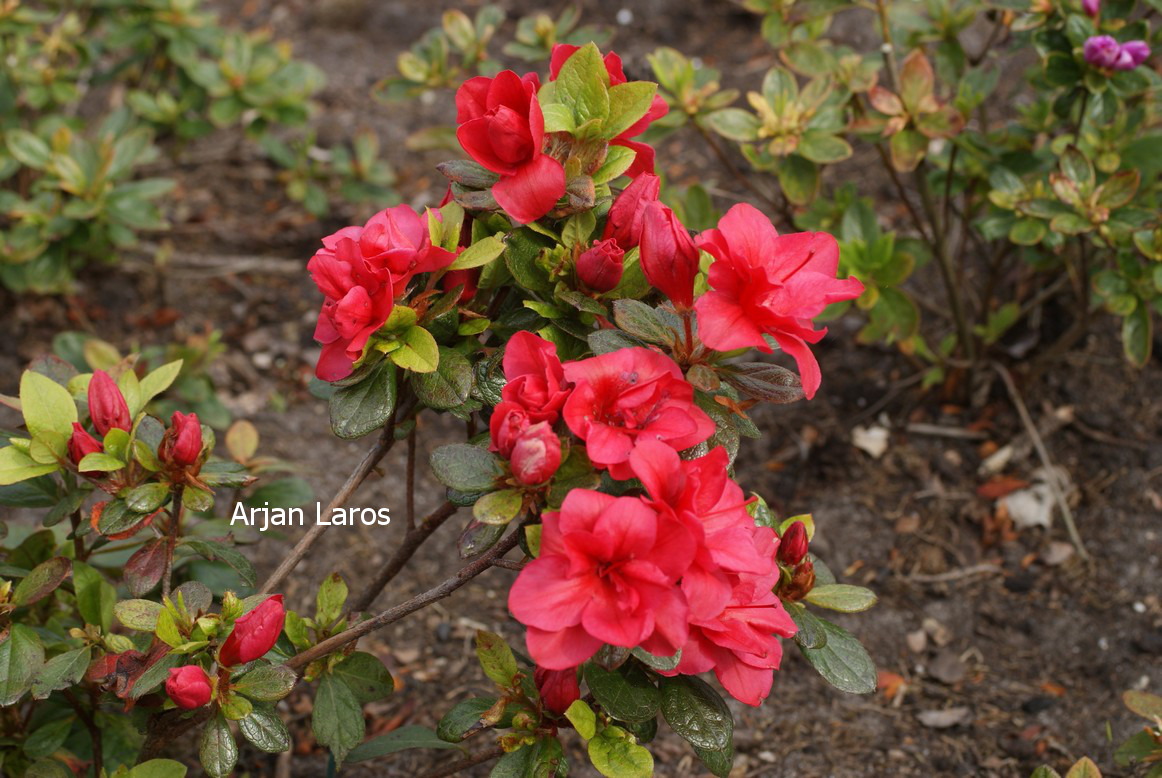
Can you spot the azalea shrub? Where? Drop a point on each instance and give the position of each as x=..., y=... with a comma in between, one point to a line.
x=94, y=93
x=606, y=362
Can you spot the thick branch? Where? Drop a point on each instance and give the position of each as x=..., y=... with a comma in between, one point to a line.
x=414, y=538
x=392, y=615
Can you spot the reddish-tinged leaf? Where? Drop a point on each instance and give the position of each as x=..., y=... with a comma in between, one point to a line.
x=42, y=581
x=102, y=667
x=145, y=568
x=917, y=80
x=884, y=101
x=1000, y=486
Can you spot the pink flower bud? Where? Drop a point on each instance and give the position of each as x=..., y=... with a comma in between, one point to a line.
x=558, y=688
x=182, y=444
x=793, y=545
x=188, y=686
x=600, y=267
x=107, y=406
x=509, y=421
x=81, y=444
x=1091, y=7
x=254, y=634
x=669, y=258
x=624, y=224
x=536, y=454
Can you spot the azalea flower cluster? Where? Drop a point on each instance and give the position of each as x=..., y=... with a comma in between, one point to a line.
x=1103, y=51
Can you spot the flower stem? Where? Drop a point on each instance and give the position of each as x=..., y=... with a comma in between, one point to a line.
x=171, y=542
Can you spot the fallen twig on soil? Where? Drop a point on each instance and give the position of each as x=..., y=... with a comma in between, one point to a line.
x=954, y=575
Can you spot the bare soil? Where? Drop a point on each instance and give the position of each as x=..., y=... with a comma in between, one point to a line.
x=1036, y=652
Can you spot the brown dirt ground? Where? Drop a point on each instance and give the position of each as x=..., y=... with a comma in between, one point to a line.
x=1038, y=655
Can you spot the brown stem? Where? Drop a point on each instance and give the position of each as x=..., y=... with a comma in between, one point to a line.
x=372, y=458
x=414, y=538
x=91, y=725
x=782, y=207
x=78, y=541
x=495, y=752
x=171, y=540
x=411, y=481
x=392, y=615
x=166, y=727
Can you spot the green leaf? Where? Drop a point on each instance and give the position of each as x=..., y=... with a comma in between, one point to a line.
x=717, y=761
x=365, y=676
x=465, y=718
x=666, y=663
x=147, y=498
x=907, y=149
x=628, y=103
x=48, y=737
x=498, y=507
x=96, y=597
x=1119, y=189
x=397, y=740
x=21, y=658
x=140, y=615
x=1084, y=768
x=764, y=381
x=337, y=719
x=583, y=719
x=696, y=712
x=48, y=768
x=16, y=466
x=47, y=406
x=61, y=672
x=267, y=683
x=41, y=581
x=157, y=381
x=28, y=149
x=558, y=118
x=1027, y=232
x=823, y=147
x=626, y=694
x=265, y=730
x=1078, y=169
x=1135, y=750
x=734, y=124
x=842, y=597
x=496, y=658
x=583, y=84
x=799, y=179
x=479, y=253
x=418, y=351
x=842, y=661
x=1070, y=224
x=615, y=755
x=330, y=599
x=101, y=463
x=1146, y=705
x=449, y=385
x=642, y=321
x=617, y=160
x=366, y=406
x=158, y=768
x=284, y=493
x=236, y=707
x=1138, y=335
x=218, y=752
x=465, y=468
x=217, y=551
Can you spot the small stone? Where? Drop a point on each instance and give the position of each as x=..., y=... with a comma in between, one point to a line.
x=917, y=641
x=1058, y=552
x=937, y=631
x=947, y=667
x=1149, y=643
x=1038, y=704
x=944, y=719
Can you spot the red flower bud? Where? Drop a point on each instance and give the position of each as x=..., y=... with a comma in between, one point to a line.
x=600, y=267
x=182, y=444
x=801, y=583
x=254, y=634
x=107, y=406
x=81, y=443
x=508, y=423
x=188, y=686
x=624, y=224
x=793, y=544
x=669, y=258
x=536, y=454
x=453, y=279
x=558, y=688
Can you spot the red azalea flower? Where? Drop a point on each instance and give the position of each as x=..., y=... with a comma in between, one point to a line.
x=509, y=421
x=536, y=455
x=503, y=129
x=107, y=406
x=182, y=444
x=188, y=686
x=535, y=379
x=644, y=161
x=669, y=258
x=627, y=215
x=558, y=688
x=360, y=270
x=454, y=278
x=80, y=445
x=606, y=574
x=627, y=395
x=254, y=634
x=793, y=544
x=600, y=267
x=763, y=282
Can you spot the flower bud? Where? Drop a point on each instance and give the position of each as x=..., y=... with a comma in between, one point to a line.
x=1091, y=7
x=600, y=267
x=624, y=224
x=454, y=278
x=188, y=686
x=107, y=406
x=536, y=454
x=793, y=544
x=182, y=444
x=801, y=583
x=81, y=444
x=558, y=688
x=508, y=423
x=669, y=258
x=254, y=634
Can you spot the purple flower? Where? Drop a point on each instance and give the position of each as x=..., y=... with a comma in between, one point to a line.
x=1091, y=7
x=1104, y=52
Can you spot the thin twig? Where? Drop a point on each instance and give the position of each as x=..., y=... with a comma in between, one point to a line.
x=411, y=542
x=91, y=726
x=1046, y=462
x=742, y=177
x=171, y=540
x=471, y=760
x=954, y=575
x=411, y=480
x=392, y=615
